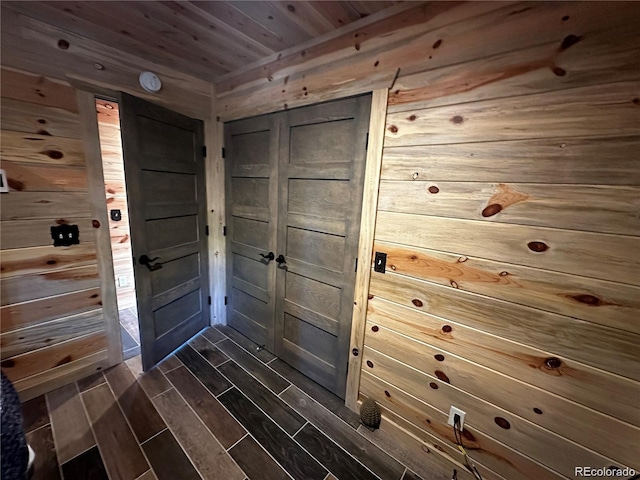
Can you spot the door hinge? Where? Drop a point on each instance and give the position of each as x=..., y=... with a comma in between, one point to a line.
x=224, y=153
x=206, y=230
x=356, y=265
x=366, y=143
x=204, y=151
x=224, y=231
x=226, y=300
x=209, y=299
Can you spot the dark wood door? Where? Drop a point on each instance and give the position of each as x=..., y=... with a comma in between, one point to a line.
x=252, y=184
x=321, y=168
x=165, y=179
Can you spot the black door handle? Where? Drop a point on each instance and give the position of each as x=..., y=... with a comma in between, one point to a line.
x=269, y=256
x=281, y=259
x=148, y=262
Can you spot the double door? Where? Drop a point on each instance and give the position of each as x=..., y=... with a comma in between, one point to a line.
x=294, y=193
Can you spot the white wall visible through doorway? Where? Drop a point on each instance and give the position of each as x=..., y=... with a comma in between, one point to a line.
x=119, y=229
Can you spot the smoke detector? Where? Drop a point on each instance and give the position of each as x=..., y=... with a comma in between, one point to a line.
x=150, y=82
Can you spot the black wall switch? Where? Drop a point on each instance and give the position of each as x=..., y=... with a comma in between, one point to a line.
x=65, y=235
x=116, y=215
x=380, y=262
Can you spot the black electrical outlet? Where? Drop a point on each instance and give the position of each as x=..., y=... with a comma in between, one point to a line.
x=116, y=215
x=65, y=235
x=380, y=262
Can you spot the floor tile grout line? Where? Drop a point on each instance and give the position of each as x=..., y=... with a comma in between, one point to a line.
x=91, y=388
x=135, y=437
x=237, y=442
x=287, y=388
x=138, y=478
x=404, y=473
x=206, y=427
x=254, y=438
x=86, y=413
x=40, y=427
x=335, y=441
x=298, y=431
x=279, y=426
x=253, y=376
x=155, y=434
x=232, y=416
x=158, y=394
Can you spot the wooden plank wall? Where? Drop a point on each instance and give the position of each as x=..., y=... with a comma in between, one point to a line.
x=59, y=63
x=508, y=208
x=52, y=316
x=116, y=192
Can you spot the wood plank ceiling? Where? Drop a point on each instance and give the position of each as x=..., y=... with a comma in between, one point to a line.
x=206, y=39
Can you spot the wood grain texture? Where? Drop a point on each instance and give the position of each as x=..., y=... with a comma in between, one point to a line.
x=24, y=340
x=567, y=251
x=320, y=394
x=571, y=380
x=32, y=45
x=595, y=208
x=168, y=459
x=42, y=178
x=602, y=302
x=524, y=436
x=424, y=458
x=558, y=334
x=202, y=369
x=368, y=454
x=214, y=356
x=249, y=346
x=365, y=245
x=43, y=359
x=37, y=233
x=202, y=448
x=569, y=160
x=287, y=453
x=122, y=455
x=255, y=462
x=266, y=400
x=336, y=460
x=509, y=393
x=134, y=402
x=548, y=115
x=24, y=261
x=253, y=366
x=95, y=180
x=223, y=426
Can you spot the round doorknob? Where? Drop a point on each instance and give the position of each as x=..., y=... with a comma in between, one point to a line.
x=281, y=259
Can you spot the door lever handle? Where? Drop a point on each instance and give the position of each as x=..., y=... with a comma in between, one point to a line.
x=148, y=262
x=281, y=259
x=269, y=256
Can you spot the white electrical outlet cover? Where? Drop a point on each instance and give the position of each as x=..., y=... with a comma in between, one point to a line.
x=452, y=413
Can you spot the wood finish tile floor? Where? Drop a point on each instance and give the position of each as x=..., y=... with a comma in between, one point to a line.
x=129, y=332
x=217, y=409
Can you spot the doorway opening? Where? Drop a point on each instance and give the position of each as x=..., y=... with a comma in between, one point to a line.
x=119, y=227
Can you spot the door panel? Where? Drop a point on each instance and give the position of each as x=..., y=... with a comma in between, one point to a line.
x=294, y=187
x=251, y=183
x=164, y=171
x=321, y=168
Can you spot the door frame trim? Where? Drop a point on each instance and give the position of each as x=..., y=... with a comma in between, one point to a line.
x=95, y=183
x=373, y=165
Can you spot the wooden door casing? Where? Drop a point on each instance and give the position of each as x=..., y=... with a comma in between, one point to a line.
x=294, y=188
x=164, y=170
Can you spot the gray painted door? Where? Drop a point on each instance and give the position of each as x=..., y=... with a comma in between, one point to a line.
x=164, y=170
x=294, y=188
x=252, y=184
x=321, y=170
